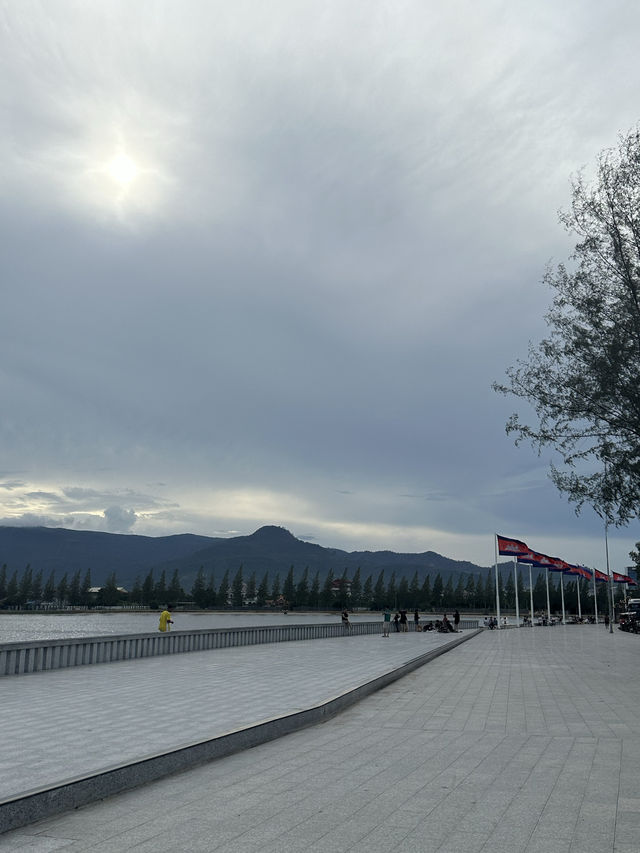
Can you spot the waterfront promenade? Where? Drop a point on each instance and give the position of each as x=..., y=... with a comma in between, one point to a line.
x=519, y=740
x=84, y=732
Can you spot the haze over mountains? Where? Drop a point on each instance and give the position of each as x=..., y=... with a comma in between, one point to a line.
x=270, y=549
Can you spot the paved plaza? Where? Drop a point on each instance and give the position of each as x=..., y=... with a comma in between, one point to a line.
x=519, y=740
x=66, y=723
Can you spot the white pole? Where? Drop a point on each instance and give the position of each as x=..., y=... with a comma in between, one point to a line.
x=595, y=595
x=531, y=595
x=497, y=586
x=578, y=591
x=548, y=600
x=515, y=582
x=564, y=621
x=606, y=546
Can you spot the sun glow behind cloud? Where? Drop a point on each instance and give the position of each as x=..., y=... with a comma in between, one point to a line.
x=116, y=163
x=122, y=179
x=123, y=170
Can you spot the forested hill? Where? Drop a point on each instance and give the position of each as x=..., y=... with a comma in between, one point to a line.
x=270, y=549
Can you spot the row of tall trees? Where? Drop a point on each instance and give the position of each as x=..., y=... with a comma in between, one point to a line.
x=32, y=588
x=385, y=589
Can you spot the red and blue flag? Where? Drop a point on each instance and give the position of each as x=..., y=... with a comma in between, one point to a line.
x=511, y=547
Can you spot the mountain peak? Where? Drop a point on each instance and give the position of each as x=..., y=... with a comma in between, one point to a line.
x=272, y=533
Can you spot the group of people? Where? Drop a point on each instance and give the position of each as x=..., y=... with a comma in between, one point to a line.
x=401, y=624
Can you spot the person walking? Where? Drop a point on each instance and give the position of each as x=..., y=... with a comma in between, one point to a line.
x=386, y=622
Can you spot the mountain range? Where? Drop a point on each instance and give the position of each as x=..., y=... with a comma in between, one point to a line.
x=270, y=549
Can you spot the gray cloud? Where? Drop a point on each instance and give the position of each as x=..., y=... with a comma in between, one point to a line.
x=119, y=520
x=333, y=245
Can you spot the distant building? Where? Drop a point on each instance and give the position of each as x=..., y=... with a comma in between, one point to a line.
x=94, y=590
x=339, y=587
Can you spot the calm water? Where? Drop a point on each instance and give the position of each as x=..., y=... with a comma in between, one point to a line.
x=21, y=627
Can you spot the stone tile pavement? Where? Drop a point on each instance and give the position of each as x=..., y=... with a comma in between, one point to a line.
x=520, y=741
x=65, y=723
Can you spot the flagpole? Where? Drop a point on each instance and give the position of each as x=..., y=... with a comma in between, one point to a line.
x=548, y=600
x=606, y=548
x=497, y=586
x=530, y=595
x=564, y=621
x=578, y=591
x=595, y=595
x=515, y=583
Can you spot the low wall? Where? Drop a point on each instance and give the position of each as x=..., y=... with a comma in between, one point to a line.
x=44, y=802
x=43, y=655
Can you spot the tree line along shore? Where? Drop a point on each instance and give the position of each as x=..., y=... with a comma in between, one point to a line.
x=29, y=589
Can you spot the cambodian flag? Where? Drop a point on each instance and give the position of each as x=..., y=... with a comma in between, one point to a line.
x=600, y=576
x=578, y=570
x=511, y=547
x=535, y=558
x=555, y=564
x=618, y=578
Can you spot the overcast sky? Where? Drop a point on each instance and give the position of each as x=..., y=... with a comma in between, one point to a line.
x=262, y=261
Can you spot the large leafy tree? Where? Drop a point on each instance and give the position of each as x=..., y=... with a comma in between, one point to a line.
x=583, y=379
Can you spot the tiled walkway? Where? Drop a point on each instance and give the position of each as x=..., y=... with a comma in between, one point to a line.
x=520, y=741
x=65, y=723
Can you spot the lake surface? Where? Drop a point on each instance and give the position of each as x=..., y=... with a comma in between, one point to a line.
x=23, y=627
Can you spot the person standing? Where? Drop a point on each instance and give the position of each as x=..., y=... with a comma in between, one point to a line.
x=456, y=620
x=403, y=621
x=396, y=621
x=386, y=622
x=165, y=619
x=345, y=622
x=416, y=619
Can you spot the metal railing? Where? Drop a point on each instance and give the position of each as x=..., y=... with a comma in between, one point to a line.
x=44, y=655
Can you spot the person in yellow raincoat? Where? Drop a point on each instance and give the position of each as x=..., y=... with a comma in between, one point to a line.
x=165, y=619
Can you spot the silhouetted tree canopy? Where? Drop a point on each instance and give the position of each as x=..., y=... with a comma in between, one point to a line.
x=583, y=380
